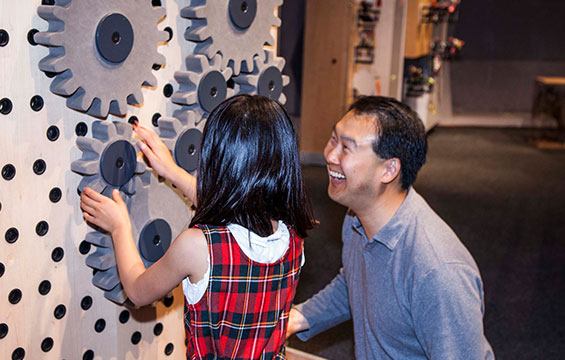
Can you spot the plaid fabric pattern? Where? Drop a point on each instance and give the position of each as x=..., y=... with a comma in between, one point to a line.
x=244, y=312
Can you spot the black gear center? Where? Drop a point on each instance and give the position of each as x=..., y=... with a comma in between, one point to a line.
x=270, y=83
x=187, y=149
x=114, y=38
x=242, y=12
x=155, y=239
x=118, y=162
x=212, y=90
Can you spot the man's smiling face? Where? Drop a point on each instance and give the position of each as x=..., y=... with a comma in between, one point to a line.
x=352, y=164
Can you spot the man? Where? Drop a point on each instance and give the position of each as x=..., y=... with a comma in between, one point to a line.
x=411, y=287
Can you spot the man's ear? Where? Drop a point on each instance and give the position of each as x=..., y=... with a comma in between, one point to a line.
x=392, y=170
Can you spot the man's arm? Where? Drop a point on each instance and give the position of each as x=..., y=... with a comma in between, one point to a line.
x=324, y=310
x=447, y=311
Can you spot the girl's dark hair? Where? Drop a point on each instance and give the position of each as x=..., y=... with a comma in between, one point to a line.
x=249, y=168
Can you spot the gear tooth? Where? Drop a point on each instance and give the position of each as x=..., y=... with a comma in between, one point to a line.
x=128, y=188
x=118, y=107
x=195, y=12
x=184, y=98
x=150, y=81
x=262, y=58
x=247, y=66
x=197, y=31
x=277, y=21
x=53, y=13
x=194, y=63
x=168, y=127
x=185, y=117
x=230, y=93
x=99, y=108
x=123, y=129
x=98, y=239
x=227, y=73
x=92, y=181
x=280, y=63
x=64, y=84
x=135, y=98
x=89, y=167
x=103, y=130
x=106, y=280
x=285, y=80
x=101, y=259
x=282, y=99
x=160, y=58
x=80, y=100
x=116, y=295
x=89, y=146
x=55, y=64
x=236, y=67
x=159, y=12
x=140, y=167
x=49, y=38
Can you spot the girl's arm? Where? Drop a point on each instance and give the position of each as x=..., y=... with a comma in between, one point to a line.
x=162, y=162
x=187, y=255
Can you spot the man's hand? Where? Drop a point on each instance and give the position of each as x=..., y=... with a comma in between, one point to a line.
x=109, y=214
x=296, y=322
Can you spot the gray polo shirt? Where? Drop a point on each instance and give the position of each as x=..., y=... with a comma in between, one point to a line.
x=413, y=290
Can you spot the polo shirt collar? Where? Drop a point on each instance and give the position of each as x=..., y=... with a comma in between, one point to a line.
x=392, y=232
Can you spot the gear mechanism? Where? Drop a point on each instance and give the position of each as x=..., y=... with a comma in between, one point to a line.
x=266, y=79
x=102, y=52
x=152, y=203
x=237, y=29
x=183, y=138
x=203, y=86
x=109, y=158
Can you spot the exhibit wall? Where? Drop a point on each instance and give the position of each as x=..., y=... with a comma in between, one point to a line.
x=74, y=75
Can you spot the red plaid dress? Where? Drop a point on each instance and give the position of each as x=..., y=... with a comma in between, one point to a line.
x=244, y=312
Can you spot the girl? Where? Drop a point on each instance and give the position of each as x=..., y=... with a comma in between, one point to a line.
x=240, y=259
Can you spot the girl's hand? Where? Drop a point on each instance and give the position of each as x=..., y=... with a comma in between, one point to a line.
x=156, y=152
x=108, y=214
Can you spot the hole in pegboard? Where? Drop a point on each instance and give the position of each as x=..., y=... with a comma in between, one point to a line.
x=100, y=325
x=3, y=330
x=136, y=338
x=39, y=166
x=158, y=329
x=169, y=349
x=155, y=119
x=44, y=287
x=8, y=172
x=88, y=355
x=81, y=129
x=156, y=67
x=57, y=254
x=12, y=235
x=55, y=195
x=60, y=311
x=42, y=228
x=36, y=103
x=124, y=316
x=168, y=90
x=84, y=247
x=30, y=37
x=53, y=133
x=15, y=296
x=47, y=2
x=133, y=120
x=6, y=106
x=47, y=344
x=2, y=269
x=4, y=38
x=18, y=354
x=170, y=31
x=86, y=302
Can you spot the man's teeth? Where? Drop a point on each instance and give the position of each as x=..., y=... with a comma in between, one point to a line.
x=336, y=175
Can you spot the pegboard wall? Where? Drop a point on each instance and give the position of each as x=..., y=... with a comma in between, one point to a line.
x=73, y=74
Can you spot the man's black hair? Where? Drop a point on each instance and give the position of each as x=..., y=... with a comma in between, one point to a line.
x=400, y=133
x=249, y=168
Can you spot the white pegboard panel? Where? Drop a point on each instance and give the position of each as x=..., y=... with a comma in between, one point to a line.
x=49, y=308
